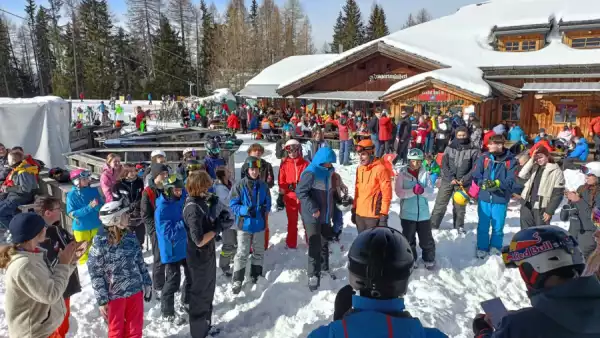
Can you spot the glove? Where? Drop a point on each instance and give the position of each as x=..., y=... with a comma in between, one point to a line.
x=147, y=293
x=353, y=218
x=280, y=204
x=480, y=325
x=213, y=199
x=383, y=220
x=418, y=189
x=291, y=187
x=490, y=185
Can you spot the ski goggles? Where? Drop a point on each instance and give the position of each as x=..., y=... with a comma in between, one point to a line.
x=254, y=164
x=292, y=148
x=360, y=149
x=587, y=171
x=194, y=167
x=84, y=174
x=171, y=179
x=215, y=150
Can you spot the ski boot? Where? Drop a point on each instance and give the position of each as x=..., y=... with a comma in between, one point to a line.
x=255, y=272
x=430, y=265
x=495, y=252
x=227, y=272
x=461, y=230
x=238, y=279
x=313, y=283
x=481, y=254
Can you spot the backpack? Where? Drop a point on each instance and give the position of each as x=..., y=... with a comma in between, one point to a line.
x=151, y=196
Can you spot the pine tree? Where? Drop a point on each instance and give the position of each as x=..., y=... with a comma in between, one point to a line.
x=234, y=63
x=30, y=11
x=338, y=31
x=9, y=71
x=255, y=45
x=377, y=27
x=180, y=11
x=271, y=33
x=172, y=73
x=43, y=49
x=127, y=67
x=292, y=15
x=207, y=51
x=353, y=33
x=304, y=43
x=423, y=16
x=410, y=21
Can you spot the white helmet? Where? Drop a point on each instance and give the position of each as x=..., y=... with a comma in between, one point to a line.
x=291, y=142
x=188, y=150
x=158, y=153
x=592, y=168
x=110, y=213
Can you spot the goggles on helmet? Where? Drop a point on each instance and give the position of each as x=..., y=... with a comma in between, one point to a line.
x=254, y=164
x=194, y=167
x=587, y=171
x=291, y=148
x=84, y=174
x=171, y=179
x=360, y=149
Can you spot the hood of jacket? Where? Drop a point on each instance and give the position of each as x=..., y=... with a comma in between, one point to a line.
x=574, y=305
x=323, y=155
x=582, y=141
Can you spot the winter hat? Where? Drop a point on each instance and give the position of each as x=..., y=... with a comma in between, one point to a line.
x=25, y=226
x=543, y=151
x=158, y=168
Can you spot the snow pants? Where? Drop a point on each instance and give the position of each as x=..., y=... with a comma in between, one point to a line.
x=172, y=285
x=63, y=329
x=531, y=217
x=88, y=236
x=493, y=214
x=410, y=230
x=292, y=208
x=229, y=237
x=158, y=268
x=441, y=204
x=318, y=248
x=375, y=139
x=345, y=149
x=338, y=221
x=126, y=317
x=245, y=241
x=203, y=269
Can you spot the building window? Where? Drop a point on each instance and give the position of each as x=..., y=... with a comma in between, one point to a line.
x=511, y=46
x=565, y=113
x=528, y=45
x=589, y=42
x=511, y=112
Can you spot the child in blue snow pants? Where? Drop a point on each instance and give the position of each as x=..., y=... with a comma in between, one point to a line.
x=493, y=214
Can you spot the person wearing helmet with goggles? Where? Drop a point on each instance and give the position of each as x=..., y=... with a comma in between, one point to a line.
x=118, y=274
x=83, y=206
x=380, y=265
x=129, y=189
x=280, y=153
x=584, y=209
x=413, y=187
x=290, y=170
x=494, y=174
x=157, y=156
x=372, y=191
x=188, y=154
x=213, y=158
x=564, y=303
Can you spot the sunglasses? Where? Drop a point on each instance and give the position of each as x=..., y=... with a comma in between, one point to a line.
x=360, y=149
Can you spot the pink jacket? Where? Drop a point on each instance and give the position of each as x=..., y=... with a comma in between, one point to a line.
x=108, y=179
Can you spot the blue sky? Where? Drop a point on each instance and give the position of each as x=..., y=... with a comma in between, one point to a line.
x=322, y=13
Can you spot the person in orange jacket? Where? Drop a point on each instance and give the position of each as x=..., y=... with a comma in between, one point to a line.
x=290, y=170
x=373, y=189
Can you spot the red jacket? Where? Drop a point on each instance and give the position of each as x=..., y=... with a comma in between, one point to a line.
x=385, y=128
x=595, y=125
x=421, y=135
x=138, y=119
x=345, y=129
x=233, y=122
x=289, y=173
x=486, y=139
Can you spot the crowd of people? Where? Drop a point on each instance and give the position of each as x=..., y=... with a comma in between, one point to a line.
x=185, y=210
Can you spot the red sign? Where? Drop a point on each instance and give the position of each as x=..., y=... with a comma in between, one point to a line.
x=433, y=95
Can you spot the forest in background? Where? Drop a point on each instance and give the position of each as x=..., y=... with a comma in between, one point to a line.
x=164, y=46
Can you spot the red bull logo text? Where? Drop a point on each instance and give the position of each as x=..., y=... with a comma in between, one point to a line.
x=530, y=251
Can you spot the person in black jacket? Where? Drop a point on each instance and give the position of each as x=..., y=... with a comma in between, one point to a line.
x=57, y=239
x=457, y=163
x=373, y=128
x=203, y=220
x=131, y=187
x=403, y=130
x=147, y=206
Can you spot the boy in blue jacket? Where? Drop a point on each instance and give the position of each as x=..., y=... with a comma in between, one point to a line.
x=83, y=206
x=172, y=243
x=213, y=159
x=380, y=267
x=315, y=192
x=495, y=174
x=250, y=201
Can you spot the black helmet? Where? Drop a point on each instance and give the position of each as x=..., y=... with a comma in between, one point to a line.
x=253, y=162
x=541, y=252
x=213, y=147
x=380, y=263
x=193, y=165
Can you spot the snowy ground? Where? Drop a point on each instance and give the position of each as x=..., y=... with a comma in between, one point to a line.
x=281, y=305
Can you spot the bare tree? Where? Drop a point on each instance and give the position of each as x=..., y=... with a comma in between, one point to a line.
x=181, y=12
x=410, y=21
x=423, y=16
x=292, y=15
x=304, y=43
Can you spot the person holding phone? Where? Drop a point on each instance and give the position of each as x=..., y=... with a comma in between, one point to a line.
x=33, y=302
x=564, y=302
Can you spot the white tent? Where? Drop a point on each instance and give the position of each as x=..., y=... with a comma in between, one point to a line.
x=40, y=125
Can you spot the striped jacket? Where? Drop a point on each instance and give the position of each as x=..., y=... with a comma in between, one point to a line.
x=117, y=271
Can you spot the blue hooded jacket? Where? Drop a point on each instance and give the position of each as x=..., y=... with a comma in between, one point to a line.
x=568, y=310
x=212, y=163
x=250, y=201
x=253, y=125
x=516, y=134
x=170, y=229
x=581, y=151
x=370, y=319
x=78, y=208
x=315, y=189
x=502, y=168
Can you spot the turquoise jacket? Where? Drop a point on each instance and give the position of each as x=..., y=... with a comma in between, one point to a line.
x=78, y=208
x=414, y=207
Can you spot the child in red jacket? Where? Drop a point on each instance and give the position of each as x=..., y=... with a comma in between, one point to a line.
x=421, y=135
x=233, y=123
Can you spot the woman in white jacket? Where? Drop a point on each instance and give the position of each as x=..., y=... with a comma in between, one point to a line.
x=34, y=303
x=222, y=187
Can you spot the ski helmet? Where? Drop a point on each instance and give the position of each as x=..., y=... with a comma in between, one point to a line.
x=110, y=213
x=380, y=263
x=460, y=197
x=77, y=174
x=365, y=145
x=174, y=181
x=158, y=153
x=213, y=148
x=415, y=154
x=191, y=151
x=592, y=168
x=253, y=162
x=541, y=252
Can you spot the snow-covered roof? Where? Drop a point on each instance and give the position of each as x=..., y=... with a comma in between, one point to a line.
x=462, y=39
x=36, y=100
x=469, y=79
x=289, y=68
